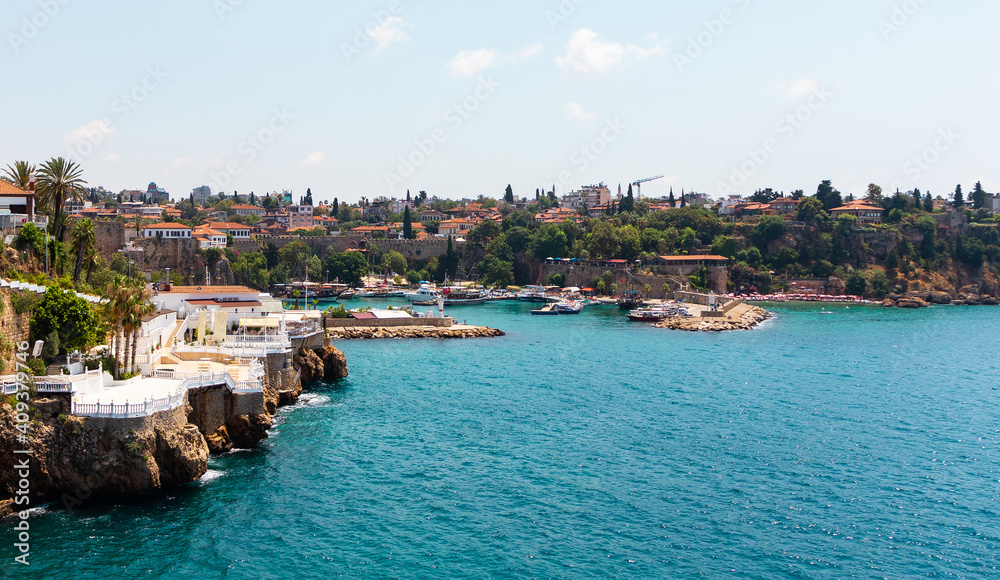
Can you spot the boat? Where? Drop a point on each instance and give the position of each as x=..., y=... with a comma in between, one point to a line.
x=569, y=307
x=423, y=294
x=657, y=313
x=363, y=293
x=459, y=296
x=629, y=300
x=532, y=294
x=346, y=294
x=547, y=310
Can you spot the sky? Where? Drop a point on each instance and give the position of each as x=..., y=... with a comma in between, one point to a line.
x=372, y=98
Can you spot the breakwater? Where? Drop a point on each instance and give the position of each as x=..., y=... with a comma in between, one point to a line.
x=740, y=317
x=374, y=332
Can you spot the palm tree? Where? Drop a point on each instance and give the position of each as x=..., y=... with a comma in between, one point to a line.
x=58, y=180
x=91, y=260
x=116, y=293
x=19, y=174
x=82, y=239
x=139, y=306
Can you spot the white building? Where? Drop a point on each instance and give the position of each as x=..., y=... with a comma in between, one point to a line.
x=201, y=194
x=238, y=231
x=300, y=216
x=171, y=231
x=589, y=195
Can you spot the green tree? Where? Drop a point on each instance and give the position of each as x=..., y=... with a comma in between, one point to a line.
x=629, y=242
x=394, y=262
x=19, y=174
x=810, y=209
x=59, y=180
x=407, y=224
x=83, y=239
x=874, y=195
x=829, y=196
x=508, y=195
x=724, y=246
x=959, y=198
x=856, y=284
x=30, y=239
x=550, y=242
x=68, y=316
x=603, y=241
x=348, y=267
x=978, y=196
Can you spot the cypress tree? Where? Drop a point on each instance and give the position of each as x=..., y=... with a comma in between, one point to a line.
x=407, y=224
x=671, y=199
x=959, y=198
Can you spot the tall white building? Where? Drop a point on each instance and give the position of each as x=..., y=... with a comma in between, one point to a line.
x=589, y=195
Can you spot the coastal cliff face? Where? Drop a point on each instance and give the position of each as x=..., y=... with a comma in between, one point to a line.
x=75, y=458
x=328, y=364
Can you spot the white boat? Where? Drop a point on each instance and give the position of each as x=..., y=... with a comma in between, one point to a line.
x=362, y=293
x=532, y=294
x=424, y=293
x=569, y=307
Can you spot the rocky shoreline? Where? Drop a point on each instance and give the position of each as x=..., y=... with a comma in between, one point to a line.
x=76, y=458
x=967, y=296
x=743, y=317
x=372, y=333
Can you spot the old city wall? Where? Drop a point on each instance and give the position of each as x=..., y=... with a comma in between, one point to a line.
x=110, y=237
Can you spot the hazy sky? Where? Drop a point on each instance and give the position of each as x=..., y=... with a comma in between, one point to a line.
x=460, y=99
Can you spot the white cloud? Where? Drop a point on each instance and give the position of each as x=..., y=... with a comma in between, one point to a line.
x=799, y=89
x=389, y=32
x=587, y=54
x=94, y=133
x=526, y=52
x=576, y=112
x=469, y=63
x=313, y=159
x=111, y=158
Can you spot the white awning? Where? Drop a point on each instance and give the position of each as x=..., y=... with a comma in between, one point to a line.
x=260, y=322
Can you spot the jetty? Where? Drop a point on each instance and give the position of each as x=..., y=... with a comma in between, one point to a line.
x=714, y=313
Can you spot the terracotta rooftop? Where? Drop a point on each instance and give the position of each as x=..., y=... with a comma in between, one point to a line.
x=211, y=290
x=11, y=189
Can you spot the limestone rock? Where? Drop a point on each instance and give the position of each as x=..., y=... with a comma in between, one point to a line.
x=888, y=303
x=246, y=431
x=311, y=365
x=912, y=303
x=940, y=298
x=334, y=363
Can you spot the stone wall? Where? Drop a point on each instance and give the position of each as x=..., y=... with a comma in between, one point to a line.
x=14, y=328
x=110, y=237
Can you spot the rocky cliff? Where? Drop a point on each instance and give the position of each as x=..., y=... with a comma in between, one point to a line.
x=75, y=458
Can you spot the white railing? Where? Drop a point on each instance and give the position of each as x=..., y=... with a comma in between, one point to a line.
x=128, y=410
x=9, y=384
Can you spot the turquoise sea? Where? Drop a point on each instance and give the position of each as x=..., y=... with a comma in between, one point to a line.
x=832, y=442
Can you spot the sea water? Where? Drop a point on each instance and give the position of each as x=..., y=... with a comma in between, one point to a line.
x=831, y=442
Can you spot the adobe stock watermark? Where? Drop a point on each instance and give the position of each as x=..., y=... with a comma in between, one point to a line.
x=252, y=146
x=383, y=28
x=901, y=15
x=32, y=25
x=585, y=156
x=21, y=473
x=454, y=118
x=562, y=12
x=787, y=127
x=711, y=31
x=93, y=135
x=916, y=166
x=223, y=8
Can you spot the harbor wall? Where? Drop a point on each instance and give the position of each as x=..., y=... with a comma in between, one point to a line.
x=446, y=322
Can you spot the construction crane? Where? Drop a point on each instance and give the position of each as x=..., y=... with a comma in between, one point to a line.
x=638, y=184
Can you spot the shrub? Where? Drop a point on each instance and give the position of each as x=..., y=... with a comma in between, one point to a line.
x=24, y=302
x=339, y=312
x=37, y=366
